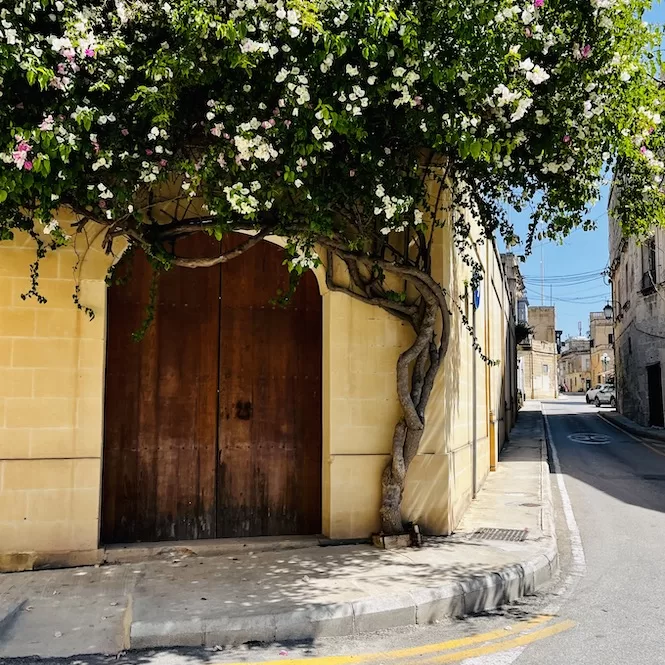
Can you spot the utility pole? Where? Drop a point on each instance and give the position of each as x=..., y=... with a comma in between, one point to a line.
x=542, y=274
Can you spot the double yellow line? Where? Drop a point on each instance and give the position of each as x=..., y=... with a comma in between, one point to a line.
x=451, y=651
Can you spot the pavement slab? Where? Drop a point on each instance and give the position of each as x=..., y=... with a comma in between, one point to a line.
x=246, y=595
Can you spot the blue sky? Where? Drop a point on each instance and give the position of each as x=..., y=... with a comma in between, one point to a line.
x=568, y=266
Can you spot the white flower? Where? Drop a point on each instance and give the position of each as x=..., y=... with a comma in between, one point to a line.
x=351, y=71
x=526, y=65
x=371, y=80
x=537, y=75
x=281, y=13
x=292, y=16
x=527, y=16
x=522, y=107
x=317, y=133
x=51, y=226
x=625, y=76
x=399, y=72
x=298, y=183
x=59, y=6
x=281, y=75
x=293, y=31
x=328, y=145
x=417, y=216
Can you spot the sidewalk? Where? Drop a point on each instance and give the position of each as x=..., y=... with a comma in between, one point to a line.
x=627, y=425
x=305, y=593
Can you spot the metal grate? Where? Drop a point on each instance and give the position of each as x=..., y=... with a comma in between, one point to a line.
x=515, y=535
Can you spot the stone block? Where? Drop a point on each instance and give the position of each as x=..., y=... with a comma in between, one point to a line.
x=87, y=473
x=56, y=442
x=17, y=322
x=45, y=412
x=316, y=622
x=13, y=506
x=438, y=603
x=15, y=382
x=185, y=632
x=14, y=443
x=36, y=474
x=230, y=631
x=384, y=612
x=39, y=352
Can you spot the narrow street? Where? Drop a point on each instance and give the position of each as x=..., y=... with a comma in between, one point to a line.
x=605, y=608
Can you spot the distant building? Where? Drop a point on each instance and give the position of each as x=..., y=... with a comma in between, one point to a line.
x=602, y=348
x=537, y=355
x=575, y=363
x=637, y=272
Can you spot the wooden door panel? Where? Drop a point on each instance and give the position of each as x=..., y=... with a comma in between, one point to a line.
x=269, y=480
x=161, y=404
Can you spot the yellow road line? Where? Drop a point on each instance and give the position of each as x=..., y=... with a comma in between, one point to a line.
x=411, y=651
x=632, y=436
x=506, y=645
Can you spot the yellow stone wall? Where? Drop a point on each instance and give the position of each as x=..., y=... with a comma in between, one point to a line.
x=51, y=384
x=51, y=405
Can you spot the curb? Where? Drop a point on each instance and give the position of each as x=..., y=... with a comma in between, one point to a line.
x=635, y=430
x=421, y=606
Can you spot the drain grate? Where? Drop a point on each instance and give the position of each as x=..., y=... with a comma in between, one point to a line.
x=515, y=535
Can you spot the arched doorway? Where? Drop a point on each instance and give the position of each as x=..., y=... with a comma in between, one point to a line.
x=213, y=420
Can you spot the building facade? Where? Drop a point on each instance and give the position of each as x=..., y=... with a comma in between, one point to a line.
x=232, y=417
x=601, y=331
x=637, y=273
x=575, y=363
x=537, y=355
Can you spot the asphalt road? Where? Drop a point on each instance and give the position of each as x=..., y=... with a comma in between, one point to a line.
x=607, y=607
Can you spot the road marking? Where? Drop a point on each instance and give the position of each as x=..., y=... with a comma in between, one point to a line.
x=632, y=436
x=578, y=559
x=521, y=641
x=590, y=438
x=449, y=645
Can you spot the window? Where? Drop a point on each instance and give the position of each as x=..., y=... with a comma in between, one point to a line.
x=649, y=277
x=610, y=338
x=546, y=369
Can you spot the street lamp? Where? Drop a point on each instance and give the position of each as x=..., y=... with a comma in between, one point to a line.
x=608, y=310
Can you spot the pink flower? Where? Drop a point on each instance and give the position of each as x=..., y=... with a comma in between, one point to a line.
x=148, y=152
x=538, y=3
x=566, y=139
x=226, y=136
x=287, y=123
x=27, y=166
x=102, y=203
x=124, y=131
x=528, y=33
x=216, y=131
x=163, y=162
x=585, y=51
x=418, y=100
x=68, y=53
x=23, y=147
x=89, y=53
x=266, y=125
x=643, y=150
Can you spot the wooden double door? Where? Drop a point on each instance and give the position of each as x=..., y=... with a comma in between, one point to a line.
x=213, y=420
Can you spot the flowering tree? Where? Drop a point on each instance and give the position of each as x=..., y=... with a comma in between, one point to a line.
x=324, y=121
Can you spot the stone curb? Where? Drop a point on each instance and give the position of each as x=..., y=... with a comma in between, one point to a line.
x=636, y=430
x=421, y=606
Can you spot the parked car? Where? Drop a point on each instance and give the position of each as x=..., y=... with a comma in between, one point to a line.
x=606, y=395
x=592, y=392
